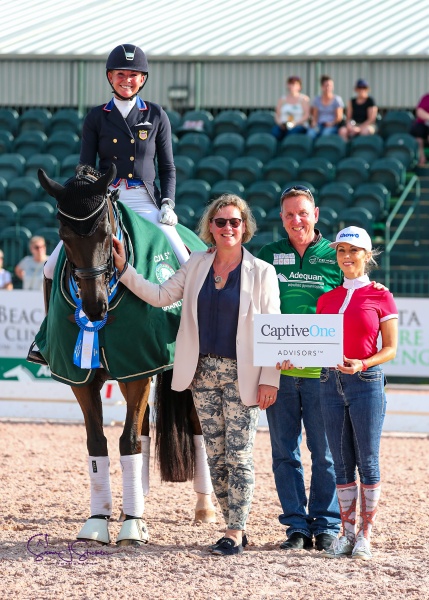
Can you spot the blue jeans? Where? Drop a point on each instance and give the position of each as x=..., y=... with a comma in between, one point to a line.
x=279, y=133
x=353, y=408
x=298, y=400
x=315, y=132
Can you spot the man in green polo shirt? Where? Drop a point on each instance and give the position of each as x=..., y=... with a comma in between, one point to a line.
x=306, y=268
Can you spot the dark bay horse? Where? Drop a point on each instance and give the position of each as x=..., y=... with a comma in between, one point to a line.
x=84, y=311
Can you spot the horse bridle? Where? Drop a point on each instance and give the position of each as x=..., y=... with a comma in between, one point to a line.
x=107, y=268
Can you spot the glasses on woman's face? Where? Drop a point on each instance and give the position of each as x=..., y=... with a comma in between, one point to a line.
x=39, y=247
x=235, y=222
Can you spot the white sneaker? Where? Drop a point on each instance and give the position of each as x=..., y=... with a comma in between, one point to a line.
x=361, y=550
x=340, y=547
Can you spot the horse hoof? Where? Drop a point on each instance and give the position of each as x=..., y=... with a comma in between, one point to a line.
x=133, y=533
x=95, y=530
x=205, y=515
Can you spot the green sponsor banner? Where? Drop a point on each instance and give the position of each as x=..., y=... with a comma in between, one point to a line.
x=18, y=369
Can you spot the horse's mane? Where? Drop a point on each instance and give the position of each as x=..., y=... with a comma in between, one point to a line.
x=79, y=202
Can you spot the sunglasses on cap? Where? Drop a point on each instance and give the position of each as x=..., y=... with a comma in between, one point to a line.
x=234, y=222
x=296, y=188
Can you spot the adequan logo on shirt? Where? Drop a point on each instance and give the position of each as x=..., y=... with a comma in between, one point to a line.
x=143, y=134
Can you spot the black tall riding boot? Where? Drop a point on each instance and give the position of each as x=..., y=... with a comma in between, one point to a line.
x=34, y=355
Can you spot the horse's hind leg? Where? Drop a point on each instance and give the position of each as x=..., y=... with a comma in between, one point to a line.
x=96, y=527
x=133, y=530
x=204, y=509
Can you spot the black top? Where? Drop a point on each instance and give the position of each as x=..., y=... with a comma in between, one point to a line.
x=360, y=111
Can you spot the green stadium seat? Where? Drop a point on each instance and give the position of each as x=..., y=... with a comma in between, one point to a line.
x=66, y=119
x=396, y=121
x=227, y=186
x=68, y=166
x=260, y=121
x=358, y=216
x=197, y=121
x=174, y=118
x=404, y=147
x=3, y=189
x=194, y=145
x=14, y=241
x=23, y=190
x=281, y=170
x=352, y=171
x=51, y=236
x=63, y=143
x=390, y=172
x=229, y=145
x=230, y=121
x=30, y=142
x=373, y=196
x=212, y=169
x=9, y=120
x=261, y=145
x=47, y=162
x=6, y=142
x=331, y=147
x=260, y=239
x=337, y=195
x=246, y=169
x=35, y=215
x=185, y=168
x=265, y=194
x=193, y=192
x=11, y=166
x=368, y=147
x=8, y=214
x=298, y=147
x=327, y=222
x=317, y=171
x=186, y=215
x=35, y=118
x=174, y=142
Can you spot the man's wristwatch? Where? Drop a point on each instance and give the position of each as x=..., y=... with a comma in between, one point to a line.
x=364, y=366
x=169, y=202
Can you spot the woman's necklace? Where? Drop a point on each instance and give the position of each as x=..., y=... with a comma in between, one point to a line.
x=218, y=278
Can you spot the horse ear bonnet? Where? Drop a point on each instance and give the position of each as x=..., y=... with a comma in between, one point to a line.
x=80, y=197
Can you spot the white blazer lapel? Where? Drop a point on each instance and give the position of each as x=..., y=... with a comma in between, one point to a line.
x=199, y=278
x=247, y=278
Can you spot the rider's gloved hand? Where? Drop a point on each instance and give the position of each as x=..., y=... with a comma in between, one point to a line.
x=167, y=214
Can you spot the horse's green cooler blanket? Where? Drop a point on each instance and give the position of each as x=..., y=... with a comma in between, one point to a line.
x=140, y=340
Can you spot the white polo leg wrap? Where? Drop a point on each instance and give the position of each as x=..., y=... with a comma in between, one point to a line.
x=145, y=443
x=132, y=491
x=202, y=481
x=101, y=494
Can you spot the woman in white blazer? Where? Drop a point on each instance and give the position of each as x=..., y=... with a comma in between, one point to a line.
x=221, y=293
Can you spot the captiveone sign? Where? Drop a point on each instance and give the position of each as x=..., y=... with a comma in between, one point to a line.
x=305, y=340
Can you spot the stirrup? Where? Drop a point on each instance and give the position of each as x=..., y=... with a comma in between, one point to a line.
x=35, y=356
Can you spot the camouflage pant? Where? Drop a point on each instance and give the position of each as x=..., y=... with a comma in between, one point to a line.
x=229, y=429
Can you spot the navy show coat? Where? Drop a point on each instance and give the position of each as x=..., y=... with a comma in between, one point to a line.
x=132, y=144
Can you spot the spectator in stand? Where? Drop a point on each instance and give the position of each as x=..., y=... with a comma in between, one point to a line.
x=361, y=113
x=420, y=127
x=5, y=276
x=30, y=268
x=352, y=393
x=327, y=110
x=292, y=111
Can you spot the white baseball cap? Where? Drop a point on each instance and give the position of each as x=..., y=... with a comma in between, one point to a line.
x=353, y=235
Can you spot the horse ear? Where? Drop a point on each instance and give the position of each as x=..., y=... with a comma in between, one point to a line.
x=100, y=187
x=53, y=188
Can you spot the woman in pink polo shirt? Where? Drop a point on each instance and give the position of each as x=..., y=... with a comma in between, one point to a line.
x=352, y=394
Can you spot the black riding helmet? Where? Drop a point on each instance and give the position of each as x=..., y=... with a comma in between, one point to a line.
x=127, y=57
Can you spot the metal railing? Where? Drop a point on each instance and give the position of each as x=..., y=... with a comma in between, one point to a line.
x=390, y=240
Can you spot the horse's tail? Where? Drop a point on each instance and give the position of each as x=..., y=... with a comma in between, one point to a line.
x=174, y=444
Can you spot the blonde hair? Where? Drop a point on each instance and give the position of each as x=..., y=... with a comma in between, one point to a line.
x=215, y=206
